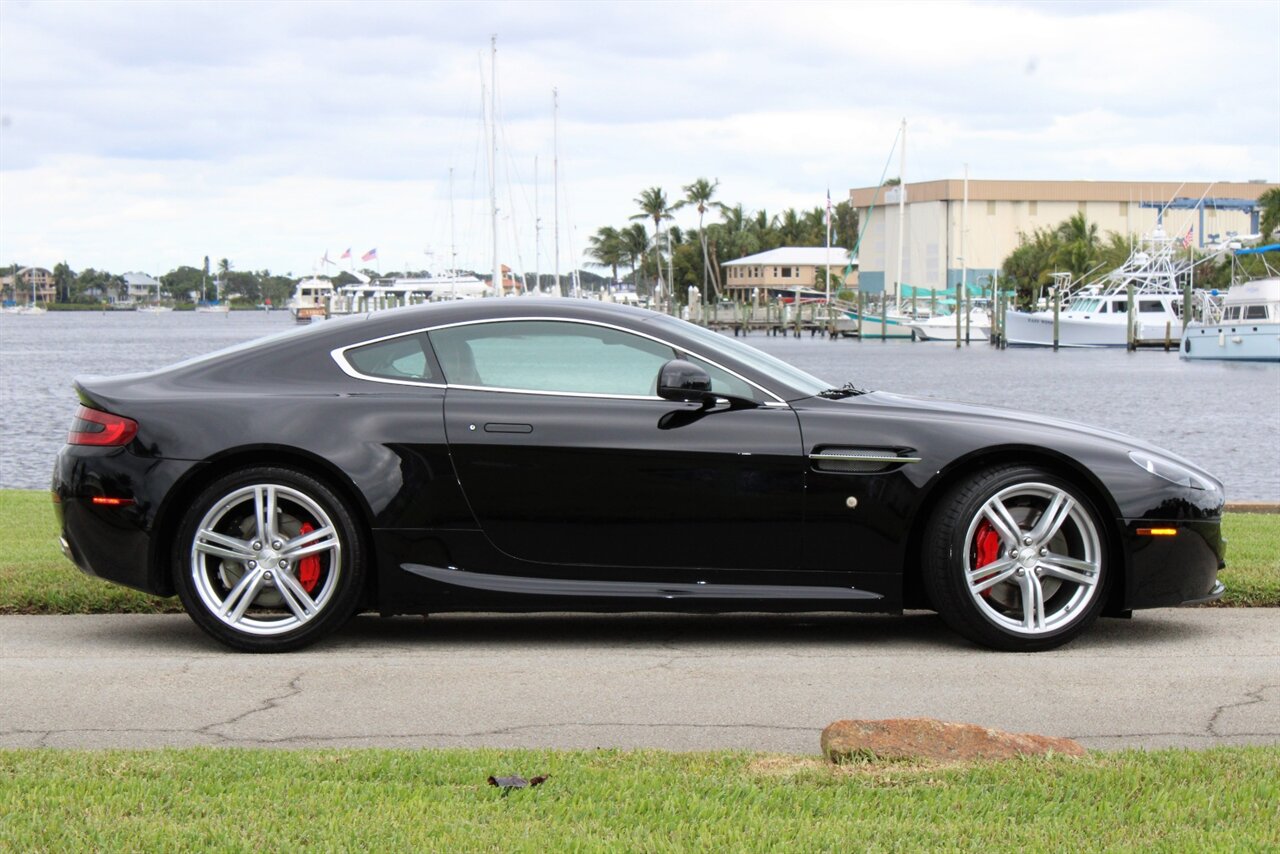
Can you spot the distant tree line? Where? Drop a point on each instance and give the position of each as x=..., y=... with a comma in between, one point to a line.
x=182, y=285
x=693, y=257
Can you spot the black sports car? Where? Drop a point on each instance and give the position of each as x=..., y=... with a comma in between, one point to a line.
x=543, y=455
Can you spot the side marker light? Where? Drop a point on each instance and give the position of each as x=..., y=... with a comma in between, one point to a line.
x=105, y=501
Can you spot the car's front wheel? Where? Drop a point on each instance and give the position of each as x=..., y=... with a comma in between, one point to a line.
x=268, y=559
x=1015, y=559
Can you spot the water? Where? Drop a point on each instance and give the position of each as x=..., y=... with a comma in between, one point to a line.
x=1224, y=416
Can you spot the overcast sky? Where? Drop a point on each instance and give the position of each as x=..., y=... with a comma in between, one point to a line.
x=141, y=136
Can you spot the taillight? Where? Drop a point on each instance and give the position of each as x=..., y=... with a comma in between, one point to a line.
x=94, y=427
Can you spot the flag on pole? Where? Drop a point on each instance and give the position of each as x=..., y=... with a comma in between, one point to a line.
x=346, y=254
x=370, y=255
x=828, y=208
x=1186, y=240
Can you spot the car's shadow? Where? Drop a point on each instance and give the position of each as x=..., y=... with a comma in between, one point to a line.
x=913, y=631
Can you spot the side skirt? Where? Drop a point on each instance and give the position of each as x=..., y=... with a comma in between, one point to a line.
x=664, y=590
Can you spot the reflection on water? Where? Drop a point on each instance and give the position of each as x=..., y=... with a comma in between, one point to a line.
x=1223, y=416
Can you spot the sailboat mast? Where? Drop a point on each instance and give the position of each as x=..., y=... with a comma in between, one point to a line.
x=537, y=233
x=453, y=237
x=555, y=179
x=828, y=247
x=493, y=170
x=902, y=205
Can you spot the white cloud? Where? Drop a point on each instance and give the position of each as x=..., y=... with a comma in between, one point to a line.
x=147, y=135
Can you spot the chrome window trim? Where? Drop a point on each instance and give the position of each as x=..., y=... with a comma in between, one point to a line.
x=600, y=395
x=338, y=356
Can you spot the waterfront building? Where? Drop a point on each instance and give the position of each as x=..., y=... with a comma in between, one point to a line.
x=18, y=288
x=999, y=211
x=787, y=268
x=139, y=287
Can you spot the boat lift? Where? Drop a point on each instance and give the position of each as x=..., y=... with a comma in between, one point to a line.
x=1249, y=206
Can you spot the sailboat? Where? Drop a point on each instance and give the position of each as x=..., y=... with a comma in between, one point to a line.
x=155, y=307
x=32, y=307
x=892, y=323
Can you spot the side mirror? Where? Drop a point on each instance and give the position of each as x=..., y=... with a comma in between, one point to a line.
x=681, y=380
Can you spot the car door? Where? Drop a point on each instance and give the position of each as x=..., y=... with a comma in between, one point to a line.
x=566, y=454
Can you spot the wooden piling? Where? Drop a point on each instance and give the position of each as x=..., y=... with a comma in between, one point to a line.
x=1057, y=309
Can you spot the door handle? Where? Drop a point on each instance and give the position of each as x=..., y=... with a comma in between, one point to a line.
x=499, y=427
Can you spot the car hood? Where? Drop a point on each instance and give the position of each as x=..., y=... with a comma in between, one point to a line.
x=1047, y=425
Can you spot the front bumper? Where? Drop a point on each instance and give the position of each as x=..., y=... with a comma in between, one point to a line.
x=1177, y=570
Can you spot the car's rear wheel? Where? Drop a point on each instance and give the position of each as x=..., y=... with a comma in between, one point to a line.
x=1015, y=559
x=268, y=559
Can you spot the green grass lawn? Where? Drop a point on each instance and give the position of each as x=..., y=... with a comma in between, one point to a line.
x=437, y=800
x=36, y=579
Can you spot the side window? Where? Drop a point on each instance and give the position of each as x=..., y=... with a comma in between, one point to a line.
x=548, y=355
x=723, y=382
x=403, y=358
x=1255, y=312
x=1150, y=305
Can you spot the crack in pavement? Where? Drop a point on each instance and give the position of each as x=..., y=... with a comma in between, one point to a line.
x=293, y=689
x=1252, y=699
x=204, y=731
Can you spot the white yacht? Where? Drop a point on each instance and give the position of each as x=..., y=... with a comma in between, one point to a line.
x=377, y=295
x=1247, y=330
x=310, y=300
x=1097, y=314
x=942, y=327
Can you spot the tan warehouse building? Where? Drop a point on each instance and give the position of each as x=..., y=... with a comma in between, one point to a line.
x=998, y=211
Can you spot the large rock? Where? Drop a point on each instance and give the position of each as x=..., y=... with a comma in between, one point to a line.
x=926, y=738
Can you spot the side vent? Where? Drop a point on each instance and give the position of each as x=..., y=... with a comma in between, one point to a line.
x=858, y=460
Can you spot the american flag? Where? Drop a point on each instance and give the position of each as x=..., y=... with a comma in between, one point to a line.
x=1186, y=240
x=346, y=254
x=370, y=255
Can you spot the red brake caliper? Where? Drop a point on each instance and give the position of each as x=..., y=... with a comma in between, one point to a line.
x=309, y=566
x=986, y=547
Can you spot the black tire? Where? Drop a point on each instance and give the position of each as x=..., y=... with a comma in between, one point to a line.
x=985, y=580
x=256, y=593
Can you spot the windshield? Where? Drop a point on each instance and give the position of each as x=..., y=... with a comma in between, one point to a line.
x=713, y=343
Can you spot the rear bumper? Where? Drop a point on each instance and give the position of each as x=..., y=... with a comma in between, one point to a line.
x=1178, y=570
x=113, y=542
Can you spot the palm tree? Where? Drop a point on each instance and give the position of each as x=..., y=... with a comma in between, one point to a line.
x=224, y=270
x=607, y=249
x=1077, y=245
x=653, y=205
x=633, y=243
x=1270, y=204
x=699, y=195
x=62, y=281
x=815, y=226
x=789, y=227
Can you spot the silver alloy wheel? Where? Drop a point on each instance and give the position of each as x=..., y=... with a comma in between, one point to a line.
x=245, y=564
x=1047, y=568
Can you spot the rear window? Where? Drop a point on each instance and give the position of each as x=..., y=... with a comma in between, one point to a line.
x=403, y=358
